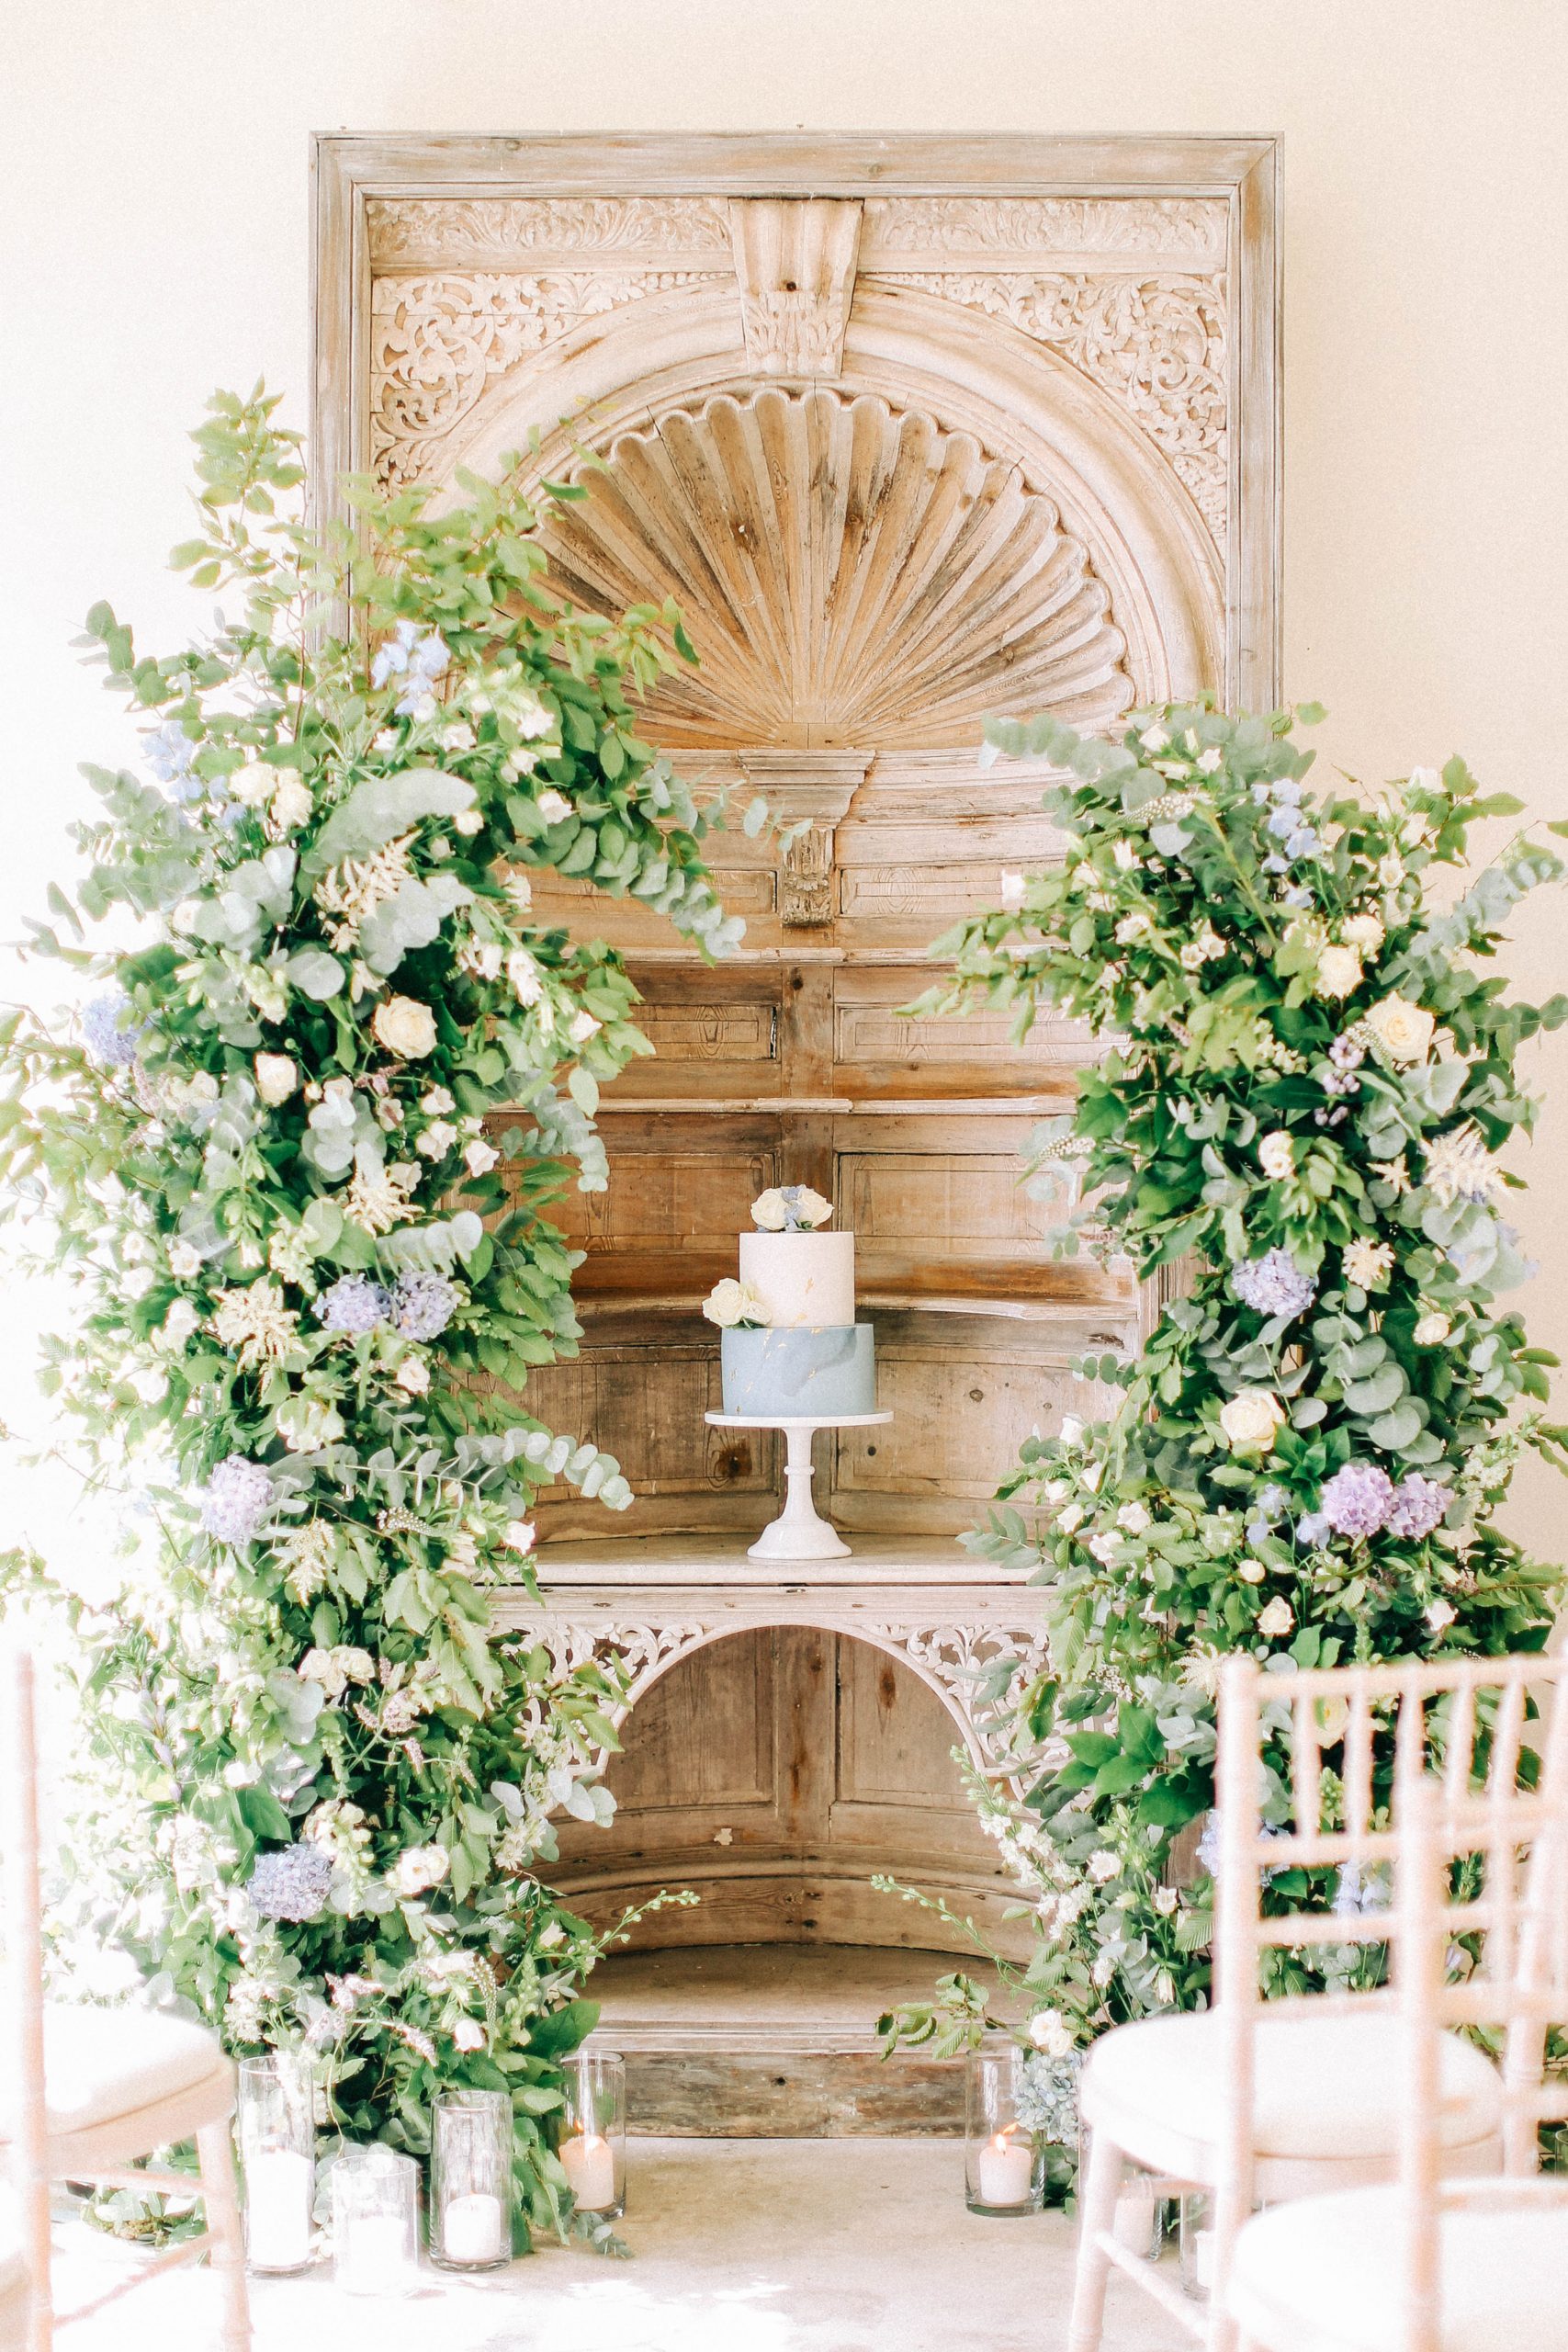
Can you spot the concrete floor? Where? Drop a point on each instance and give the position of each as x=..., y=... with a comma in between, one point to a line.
x=739, y=2245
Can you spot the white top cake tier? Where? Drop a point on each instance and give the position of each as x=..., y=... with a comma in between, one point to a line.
x=801, y=1278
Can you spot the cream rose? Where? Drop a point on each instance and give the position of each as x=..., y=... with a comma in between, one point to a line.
x=1404, y=1030
x=1252, y=1421
x=730, y=1303
x=1432, y=1329
x=277, y=1076
x=1362, y=932
x=406, y=1027
x=1277, y=1619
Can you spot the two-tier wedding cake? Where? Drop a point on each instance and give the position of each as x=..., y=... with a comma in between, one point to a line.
x=790, y=1343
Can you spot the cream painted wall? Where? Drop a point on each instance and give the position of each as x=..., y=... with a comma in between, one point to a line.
x=155, y=217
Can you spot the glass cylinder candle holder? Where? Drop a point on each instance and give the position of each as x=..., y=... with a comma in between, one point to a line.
x=1004, y=2166
x=593, y=2132
x=375, y=2221
x=470, y=2180
x=276, y=2122
x=1138, y=2222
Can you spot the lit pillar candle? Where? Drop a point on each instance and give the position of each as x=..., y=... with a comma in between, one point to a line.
x=471, y=2228
x=279, y=2188
x=590, y=2164
x=1006, y=2170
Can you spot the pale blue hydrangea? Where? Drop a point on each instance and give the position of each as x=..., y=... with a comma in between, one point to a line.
x=169, y=752
x=355, y=1303
x=237, y=1501
x=1046, y=2102
x=1314, y=1527
x=1419, y=1505
x=292, y=1882
x=1356, y=1500
x=1359, y=1893
x=1208, y=1855
x=418, y=656
x=105, y=1033
x=423, y=1305
x=1273, y=1284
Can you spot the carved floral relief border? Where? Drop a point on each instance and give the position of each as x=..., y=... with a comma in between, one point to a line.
x=1131, y=291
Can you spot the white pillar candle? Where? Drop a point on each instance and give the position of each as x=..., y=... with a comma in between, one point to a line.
x=471, y=2228
x=279, y=2190
x=1007, y=2171
x=1133, y=2225
x=590, y=2164
x=372, y=2256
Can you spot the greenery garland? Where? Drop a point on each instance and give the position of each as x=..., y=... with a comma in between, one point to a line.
x=1310, y=1074
x=319, y=1778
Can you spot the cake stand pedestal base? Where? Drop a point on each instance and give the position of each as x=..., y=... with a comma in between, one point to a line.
x=799, y=1532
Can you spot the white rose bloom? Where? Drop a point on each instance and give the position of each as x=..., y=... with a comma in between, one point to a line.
x=1432, y=1331
x=1048, y=2032
x=479, y=1157
x=406, y=1027
x=1440, y=1614
x=325, y=1668
x=1252, y=1421
x=1364, y=932
x=523, y=975
x=255, y=784
x=468, y=822
x=1275, y=1156
x=1250, y=1571
x=553, y=806
x=418, y=1867
x=1014, y=888
x=518, y=1535
x=1338, y=971
x=730, y=1303
x=277, y=1076
x=768, y=1210
x=1277, y=1619
x=414, y=1376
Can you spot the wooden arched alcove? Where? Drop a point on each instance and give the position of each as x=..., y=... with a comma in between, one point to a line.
x=914, y=430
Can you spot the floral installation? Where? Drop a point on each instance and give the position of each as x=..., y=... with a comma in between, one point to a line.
x=317, y=1776
x=1312, y=1073
x=791, y=1208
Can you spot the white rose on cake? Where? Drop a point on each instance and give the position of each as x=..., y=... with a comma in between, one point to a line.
x=733, y=1306
x=789, y=1209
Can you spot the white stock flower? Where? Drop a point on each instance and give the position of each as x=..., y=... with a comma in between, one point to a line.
x=1368, y=1264
x=1070, y=1518
x=481, y=956
x=1154, y=738
x=1048, y=2031
x=180, y=1321
x=1404, y=1030
x=1275, y=1156
x=1252, y=1421
x=523, y=975
x=406, y=1027
x=277, y=1076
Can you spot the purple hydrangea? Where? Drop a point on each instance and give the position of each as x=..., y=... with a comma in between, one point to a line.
x=355, y=1303
x=109, y=1040
x=1419, y=1505
x=1358, y=1500
x=237, y=1501
x=1273, y=1284
x=292, y=1882
x=423, y=1305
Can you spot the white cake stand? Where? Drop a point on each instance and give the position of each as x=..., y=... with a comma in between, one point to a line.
x=797, y=1533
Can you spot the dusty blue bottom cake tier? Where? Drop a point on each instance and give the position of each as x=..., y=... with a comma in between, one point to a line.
x=825, y=1373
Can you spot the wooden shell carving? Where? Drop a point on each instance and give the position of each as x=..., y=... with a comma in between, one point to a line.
x=850, y=574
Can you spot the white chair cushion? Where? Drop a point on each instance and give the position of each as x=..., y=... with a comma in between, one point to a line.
x=1322, y=2275
x=100, y=2064
x=1324, y=2086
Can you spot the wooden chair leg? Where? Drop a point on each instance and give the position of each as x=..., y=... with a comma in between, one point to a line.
x=1097, y=2210
x=220, y=2197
